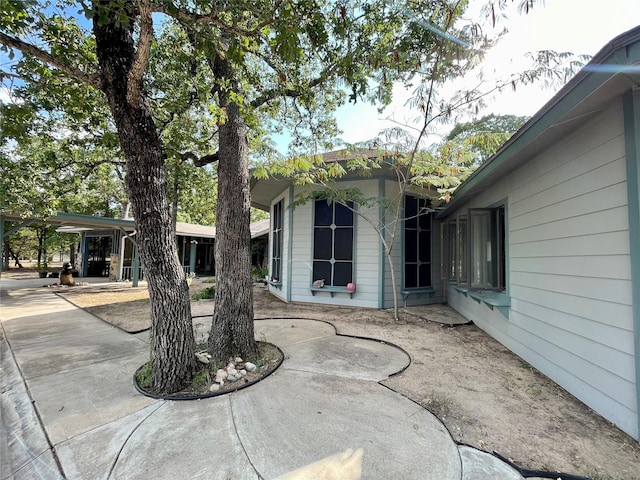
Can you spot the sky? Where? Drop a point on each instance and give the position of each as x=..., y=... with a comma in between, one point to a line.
x=578, y=26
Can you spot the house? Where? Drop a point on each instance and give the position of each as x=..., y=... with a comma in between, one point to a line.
x=540, y=247
x=341, y=247
x=543, y=240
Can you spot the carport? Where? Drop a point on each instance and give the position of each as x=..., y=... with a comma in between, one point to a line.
x=70, y=221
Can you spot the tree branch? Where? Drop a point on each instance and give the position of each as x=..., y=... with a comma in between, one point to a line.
x=199, y=161
x=29, y=49
x=134, y=79
x=211, y=18
x=291, y=92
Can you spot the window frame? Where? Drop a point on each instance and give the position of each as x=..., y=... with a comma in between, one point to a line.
x=496, y=239
x=421, y=203
x=277, y=241
x=350, y=207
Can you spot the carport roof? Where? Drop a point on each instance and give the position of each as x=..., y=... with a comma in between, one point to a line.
x=77, y=222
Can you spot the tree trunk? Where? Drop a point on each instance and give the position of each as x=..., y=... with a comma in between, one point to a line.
x=5, y=257
x=40, y=235
x=172, y=337
x=175, y=191
x=232, y=328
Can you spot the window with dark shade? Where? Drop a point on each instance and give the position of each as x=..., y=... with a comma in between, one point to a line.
x=417, y=242
x=333, y=243
x=276, y=238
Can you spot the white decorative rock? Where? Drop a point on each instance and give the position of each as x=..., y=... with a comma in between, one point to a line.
x=214, y=387
x=232, y=378
x=250, y=367
x=238, y=360
x=220, y=376
x=232, y=371
x=231, y=365
x=242, y=372
x=202, y=358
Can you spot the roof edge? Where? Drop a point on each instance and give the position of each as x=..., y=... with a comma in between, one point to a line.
x=526, y=133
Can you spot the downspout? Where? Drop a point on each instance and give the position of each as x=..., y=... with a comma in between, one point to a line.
x=631, y=111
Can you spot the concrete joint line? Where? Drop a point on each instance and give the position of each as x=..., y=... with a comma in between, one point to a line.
x=60, y=472
x=115, y=460
x=235, y=429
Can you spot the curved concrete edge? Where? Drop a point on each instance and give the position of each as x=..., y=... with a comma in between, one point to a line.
x=186, y=440
x=24, y=447
x=284, y=428
x=95, y=453
x=343, y=355
x=479, y=465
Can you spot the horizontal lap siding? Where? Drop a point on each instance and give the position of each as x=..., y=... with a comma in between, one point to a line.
x=569, y=269
x=366, y=274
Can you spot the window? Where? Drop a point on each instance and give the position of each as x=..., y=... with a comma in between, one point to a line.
x=452, y=247
x=417, y=242
x=487, y=252
x=462, y=249
x=457, y=246
x=333, y=243
x=276, y=238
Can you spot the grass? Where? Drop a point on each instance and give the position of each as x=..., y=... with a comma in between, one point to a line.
x=206, y=294
x=143, y=375
x=438, y=404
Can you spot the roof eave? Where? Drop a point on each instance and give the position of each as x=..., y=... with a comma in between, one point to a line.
x=583, y=83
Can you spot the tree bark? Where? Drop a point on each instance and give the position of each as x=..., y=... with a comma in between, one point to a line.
x=232, y=328
x=172, y=337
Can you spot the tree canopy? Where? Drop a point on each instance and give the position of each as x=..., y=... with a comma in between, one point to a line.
x=206, y=82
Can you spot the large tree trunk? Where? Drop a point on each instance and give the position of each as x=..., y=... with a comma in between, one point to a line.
x=232, y=328
x=172, y=342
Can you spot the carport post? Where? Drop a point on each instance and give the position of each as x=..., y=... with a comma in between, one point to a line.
x=192, y=256
x=136, y=265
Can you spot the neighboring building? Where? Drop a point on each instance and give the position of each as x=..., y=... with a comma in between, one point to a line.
x=112, y=253
x=540, y=247
x=107, y=245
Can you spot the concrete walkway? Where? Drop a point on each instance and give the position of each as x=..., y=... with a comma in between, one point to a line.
x=69, y=409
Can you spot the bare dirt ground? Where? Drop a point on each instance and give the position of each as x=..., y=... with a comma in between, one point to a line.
x=485, y=395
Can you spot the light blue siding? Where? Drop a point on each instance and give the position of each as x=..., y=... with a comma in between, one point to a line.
x=569, y=259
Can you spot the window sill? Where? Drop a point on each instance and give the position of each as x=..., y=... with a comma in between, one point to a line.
x=417, y=291
x=491, y=298
x=331, y=290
